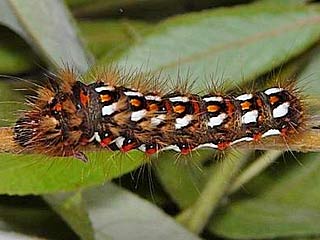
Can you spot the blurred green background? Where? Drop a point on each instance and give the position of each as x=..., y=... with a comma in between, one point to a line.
x=235, y=195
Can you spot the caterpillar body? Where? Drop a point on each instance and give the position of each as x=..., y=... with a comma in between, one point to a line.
x=69, y=114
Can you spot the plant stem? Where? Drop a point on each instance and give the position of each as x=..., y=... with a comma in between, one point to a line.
x=196, y=217
x=254, y=169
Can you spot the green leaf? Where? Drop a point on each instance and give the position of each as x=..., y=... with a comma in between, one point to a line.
x=32, y=220
x=287, y=207
x=75, y=3
x=309, y=77
x=300, y=186
x=15, y=218
x=72, y=209
x=261, y=219
x=47, y=27
x=127, y=8
x=38, y=174
x=283, y=2
x=117, y=213
x=219, y=179
x=107, y=39
x=9, y=100
x=14, y=236
x=15, y=55
x=182, y=180
x=236, y=43
x=98, y=4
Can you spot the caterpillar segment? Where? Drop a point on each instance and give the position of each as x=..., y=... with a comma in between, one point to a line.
x=69, y=114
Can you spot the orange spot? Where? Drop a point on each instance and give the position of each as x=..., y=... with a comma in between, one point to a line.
x=273, y=99
x=246, y=105
x=128, y=147
x=284, y=132
x=179, y=109
x=135, y=102
x=151, y=151
x=185, y=151
x=105, y=98
x=84, y=99
x=213, y=108
x=257, y=137
x=106, y=141
x=223, y=145
x=153, y=107
x=57, y=107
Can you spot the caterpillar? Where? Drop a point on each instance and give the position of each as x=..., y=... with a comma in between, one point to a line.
x=126, y=112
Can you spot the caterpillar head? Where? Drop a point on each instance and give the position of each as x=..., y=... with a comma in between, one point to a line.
x=53, y=125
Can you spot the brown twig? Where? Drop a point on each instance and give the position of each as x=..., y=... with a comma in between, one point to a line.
x=307, y=140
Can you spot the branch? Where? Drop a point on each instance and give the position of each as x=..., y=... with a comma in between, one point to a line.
x=307, y=140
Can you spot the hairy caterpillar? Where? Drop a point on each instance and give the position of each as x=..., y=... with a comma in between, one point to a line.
x=126, y=112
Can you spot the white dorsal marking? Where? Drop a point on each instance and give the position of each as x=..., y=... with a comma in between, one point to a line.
x=110, y=109
x=244, y=97
x=138, y=115
x=213, y=99
x=281, y=110
x=182, y=122
x=153, y=98
x=250, y=117
x=133, y=94
x=216, y=121
x=104, y=88
x=155, y=121
x=179, y=99
x=273, y=91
